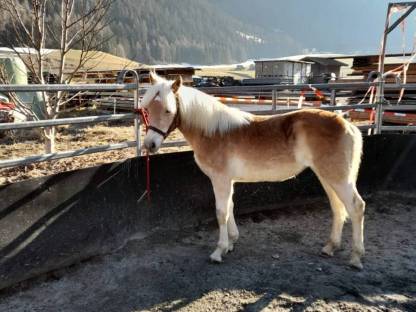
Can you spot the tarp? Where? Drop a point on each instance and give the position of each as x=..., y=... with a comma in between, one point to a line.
x=16, y=72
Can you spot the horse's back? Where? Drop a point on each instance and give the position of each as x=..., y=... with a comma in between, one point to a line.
x=274, y=148
x=321, y=129
x=327, y=143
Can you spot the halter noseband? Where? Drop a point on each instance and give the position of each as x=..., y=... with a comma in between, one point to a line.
x=175, y=122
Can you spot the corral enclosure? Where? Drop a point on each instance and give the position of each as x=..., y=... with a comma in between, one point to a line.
x=153, y=256
x=90, y=240
x=60, y=232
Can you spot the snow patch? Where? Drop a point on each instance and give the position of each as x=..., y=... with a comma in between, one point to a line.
x=250, y=37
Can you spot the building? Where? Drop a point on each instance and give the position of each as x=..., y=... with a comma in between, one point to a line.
x=283, y=71
x=313, y=68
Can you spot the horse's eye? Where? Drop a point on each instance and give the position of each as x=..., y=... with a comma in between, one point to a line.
x=167, y=111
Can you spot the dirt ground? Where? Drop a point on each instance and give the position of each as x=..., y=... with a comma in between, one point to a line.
x=70, y=138
x=276, y=266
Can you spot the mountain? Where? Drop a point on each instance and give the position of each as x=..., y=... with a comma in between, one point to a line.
x=336, y=26
x=227, y=31
x=173, y=31
x=189, y=31
x=231, y=31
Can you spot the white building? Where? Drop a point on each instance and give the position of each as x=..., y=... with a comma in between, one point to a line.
x=313, y=68
x=283, y=71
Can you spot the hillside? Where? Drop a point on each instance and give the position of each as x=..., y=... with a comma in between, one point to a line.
x=232, y=31
x=186, y=31
x=190, y=31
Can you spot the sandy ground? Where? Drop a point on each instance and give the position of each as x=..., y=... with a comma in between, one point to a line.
x=276, y=266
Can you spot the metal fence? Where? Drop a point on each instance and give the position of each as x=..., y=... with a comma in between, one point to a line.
x=332, y=88
x=76, y=120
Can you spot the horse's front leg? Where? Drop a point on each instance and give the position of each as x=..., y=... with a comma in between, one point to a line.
x=223, y=201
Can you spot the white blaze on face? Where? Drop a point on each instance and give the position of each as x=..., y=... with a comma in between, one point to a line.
x=161, y=117
x=161, y=104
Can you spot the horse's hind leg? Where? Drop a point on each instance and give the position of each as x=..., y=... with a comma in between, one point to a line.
x=231, y=224
x=355, y=206
x=223, y=199
x=338, y=218
x=232, y=227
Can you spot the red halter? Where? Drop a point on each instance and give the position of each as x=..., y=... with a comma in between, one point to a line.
x=145, y=118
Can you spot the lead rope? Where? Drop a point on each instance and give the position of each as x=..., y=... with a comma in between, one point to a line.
x=145, y=117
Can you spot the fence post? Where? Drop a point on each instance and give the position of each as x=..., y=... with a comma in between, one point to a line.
x=274, y=100
x=137, y=128
x=333, y=97
x=378, y=117
x=120, y=79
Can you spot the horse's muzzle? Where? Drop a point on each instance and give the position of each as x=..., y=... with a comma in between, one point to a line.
x=151, y=147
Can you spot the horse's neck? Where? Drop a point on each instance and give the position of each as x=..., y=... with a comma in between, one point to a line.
x=186, y=97
x=203, y=116
x=190, y=135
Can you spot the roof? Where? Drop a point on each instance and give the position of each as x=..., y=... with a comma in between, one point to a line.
x=278, y=60
x=325, y=61
x=301, y=57
x=331, y=56
x=97, y=60
x=7, y=51
x=399, y=58
x=372, y=55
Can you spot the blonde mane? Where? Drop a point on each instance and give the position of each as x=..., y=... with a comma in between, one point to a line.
x=205, y=113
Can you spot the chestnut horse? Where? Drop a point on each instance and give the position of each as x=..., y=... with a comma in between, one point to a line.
x=234, y=146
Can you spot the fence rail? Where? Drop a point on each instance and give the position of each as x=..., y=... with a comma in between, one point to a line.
x=320, y=86
x=66, y=87
x=326, y=107
x=335, y=88
x=58, y=155
x=64, y=121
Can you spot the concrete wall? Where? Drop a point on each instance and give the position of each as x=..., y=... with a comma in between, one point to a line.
x=54, y=221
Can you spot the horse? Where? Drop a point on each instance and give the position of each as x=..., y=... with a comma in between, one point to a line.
x=231, y=146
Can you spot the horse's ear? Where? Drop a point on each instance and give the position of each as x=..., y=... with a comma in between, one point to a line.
x=153, y=77
x=177, y=84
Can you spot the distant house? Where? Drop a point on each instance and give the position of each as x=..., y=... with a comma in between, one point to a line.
x=314, y=68
x=283, y=71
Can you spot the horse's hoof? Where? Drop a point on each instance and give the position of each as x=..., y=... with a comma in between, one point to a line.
x=356, y=264
x=328, y=251
x=216, y=257
x=230, y=247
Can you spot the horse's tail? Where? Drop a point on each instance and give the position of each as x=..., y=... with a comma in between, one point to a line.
x=357, y=151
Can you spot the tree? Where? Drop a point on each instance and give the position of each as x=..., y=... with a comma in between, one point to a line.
x=60, y=24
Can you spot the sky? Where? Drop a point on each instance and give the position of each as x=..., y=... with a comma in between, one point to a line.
x=342, y=26
x=355, y=26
